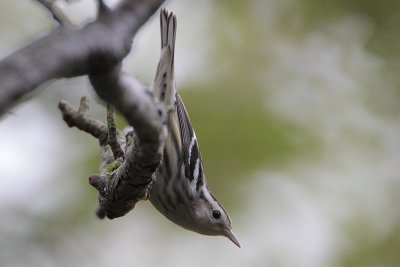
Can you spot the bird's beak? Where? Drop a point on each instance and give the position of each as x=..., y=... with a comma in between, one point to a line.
x=229, y=234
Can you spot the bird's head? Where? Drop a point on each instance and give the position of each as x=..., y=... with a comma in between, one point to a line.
x=210, y=218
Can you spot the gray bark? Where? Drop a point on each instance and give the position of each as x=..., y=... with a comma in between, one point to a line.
x=97, y=50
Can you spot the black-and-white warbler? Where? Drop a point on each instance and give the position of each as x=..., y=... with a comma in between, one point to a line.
x=179, y=190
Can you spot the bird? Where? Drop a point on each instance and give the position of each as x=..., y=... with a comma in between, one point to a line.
x=179, y=188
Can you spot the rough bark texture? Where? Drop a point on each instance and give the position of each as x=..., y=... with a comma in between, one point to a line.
x=97, y=50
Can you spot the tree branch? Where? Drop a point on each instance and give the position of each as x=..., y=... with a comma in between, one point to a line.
x=97, y=50
x=72, y=51
x=80, y=119
x=123, y=182
x=132, y=179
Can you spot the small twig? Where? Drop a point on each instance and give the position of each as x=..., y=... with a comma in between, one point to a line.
x=102, y=8
x=112, y=139
x=79, y=119
x=56, y=13
x=124, y=180
x=99, y=182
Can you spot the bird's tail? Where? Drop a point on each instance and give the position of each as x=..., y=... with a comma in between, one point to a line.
x=164, y=84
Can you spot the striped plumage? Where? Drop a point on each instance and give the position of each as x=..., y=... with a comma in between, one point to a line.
x=179, y=190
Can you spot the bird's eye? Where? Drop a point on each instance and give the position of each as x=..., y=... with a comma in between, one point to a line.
x=216, y=214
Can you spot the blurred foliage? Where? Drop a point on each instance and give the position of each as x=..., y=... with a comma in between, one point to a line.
x=236, y=133
x=238, y=136
x=384, y=17
x=369, y=249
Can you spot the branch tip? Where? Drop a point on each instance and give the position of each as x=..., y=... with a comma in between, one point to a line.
x=83, y=105
x=63, y=105
x=98, y=182
x=100, y=213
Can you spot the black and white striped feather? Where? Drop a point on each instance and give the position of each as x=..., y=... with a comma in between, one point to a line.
x=179, y=189
x=182, y=137
x=190, y=148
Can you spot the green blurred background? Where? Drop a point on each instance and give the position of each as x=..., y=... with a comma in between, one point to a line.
x=296, y=108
